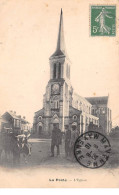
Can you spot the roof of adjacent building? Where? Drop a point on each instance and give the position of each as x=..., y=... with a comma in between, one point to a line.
x=73, y=110
x=13, y=115
x=60, y=48
x=98, y=100
x=39, y=112
x=80, y=98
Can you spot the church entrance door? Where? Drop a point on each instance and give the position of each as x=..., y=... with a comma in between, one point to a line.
x=40, y=130
x=57, y=125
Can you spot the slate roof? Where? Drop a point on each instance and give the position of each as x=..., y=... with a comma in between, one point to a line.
x=78, y=97
x=39, y=112
x=73, y=110
x=58, y=53
x=98, y=100
x=13, y=115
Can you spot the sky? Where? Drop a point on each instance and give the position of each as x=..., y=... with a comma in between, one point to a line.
x=28, y=37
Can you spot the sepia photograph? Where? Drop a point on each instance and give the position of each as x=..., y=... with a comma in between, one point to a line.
x=59, y=91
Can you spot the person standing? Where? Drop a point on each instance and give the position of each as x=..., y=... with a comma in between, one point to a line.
x=16, y=151
x=74, y=136
x=56, y=140
x=67, y=141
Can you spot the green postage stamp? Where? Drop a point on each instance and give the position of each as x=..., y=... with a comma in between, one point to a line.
x=103, y=20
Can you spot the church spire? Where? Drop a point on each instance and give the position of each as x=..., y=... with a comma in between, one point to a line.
x=60, y=49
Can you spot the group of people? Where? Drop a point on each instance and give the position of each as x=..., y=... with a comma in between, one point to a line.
x=13, y=145
x=17, y=145
x=70, y=137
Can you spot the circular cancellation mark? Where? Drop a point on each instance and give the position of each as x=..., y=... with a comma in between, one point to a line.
x=92, y=149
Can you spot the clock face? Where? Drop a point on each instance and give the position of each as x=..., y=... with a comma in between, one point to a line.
x=55, y=89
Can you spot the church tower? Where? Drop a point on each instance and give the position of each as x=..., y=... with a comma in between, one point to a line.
x=61, y=70
x=61, y=105
x=57, y=96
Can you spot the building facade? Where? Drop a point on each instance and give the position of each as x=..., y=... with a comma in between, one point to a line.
x=10, y=121
x=100, y=109
x=61, y=105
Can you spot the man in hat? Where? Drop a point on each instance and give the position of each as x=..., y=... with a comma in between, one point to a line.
x=67, y=140
x=56, y=140
x=74, y=136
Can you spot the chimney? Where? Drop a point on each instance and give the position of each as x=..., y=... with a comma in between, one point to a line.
x=24, y=117
x=14, y=112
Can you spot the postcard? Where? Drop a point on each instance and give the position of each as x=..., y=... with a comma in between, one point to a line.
x=59, y=91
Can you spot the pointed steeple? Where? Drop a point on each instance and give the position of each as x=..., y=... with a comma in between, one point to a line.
x=60, y=49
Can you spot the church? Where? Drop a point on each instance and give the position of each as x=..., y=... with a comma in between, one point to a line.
x=61, y=105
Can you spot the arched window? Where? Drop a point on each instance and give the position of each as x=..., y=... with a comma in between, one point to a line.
x=56, y=104
x=59, y=70
x=54, y=72
x=74, y=117
x=93, y=111
x=40, y=118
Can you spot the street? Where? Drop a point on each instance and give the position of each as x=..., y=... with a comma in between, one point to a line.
x=40, y=156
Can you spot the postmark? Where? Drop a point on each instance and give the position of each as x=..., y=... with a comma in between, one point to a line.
x=92, y=149
x=103, y=20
